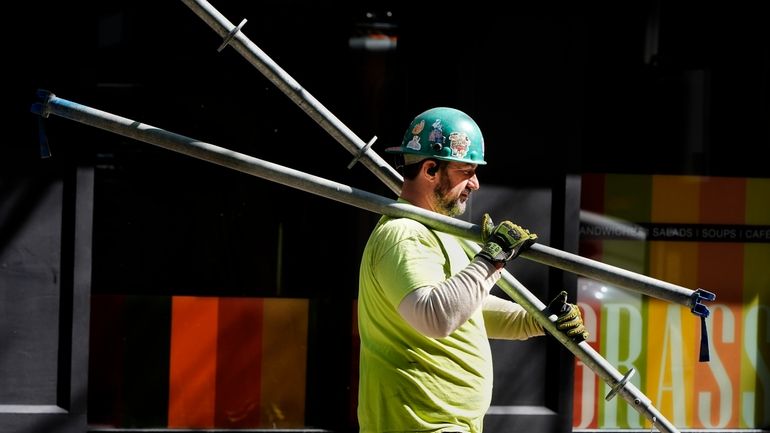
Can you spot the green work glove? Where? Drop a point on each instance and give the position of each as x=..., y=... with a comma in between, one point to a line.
x=504, y=241
x=568, y=318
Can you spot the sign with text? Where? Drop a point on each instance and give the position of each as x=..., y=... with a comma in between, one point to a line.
x=697, y=232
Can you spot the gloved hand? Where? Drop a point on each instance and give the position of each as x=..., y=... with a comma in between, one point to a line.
x=568, y=316
x=504, y=241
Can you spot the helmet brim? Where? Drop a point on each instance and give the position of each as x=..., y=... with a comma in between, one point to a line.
x=401, y=150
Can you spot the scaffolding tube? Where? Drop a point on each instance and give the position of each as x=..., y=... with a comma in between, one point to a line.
x=50, y=104
x=234, y=37
x=538, y=252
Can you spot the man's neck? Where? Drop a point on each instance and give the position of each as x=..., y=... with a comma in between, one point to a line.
x=418, y=198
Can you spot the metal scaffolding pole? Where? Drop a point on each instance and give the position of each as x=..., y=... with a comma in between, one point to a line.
x=50, y=104
x=540, y=253
x=234, y=37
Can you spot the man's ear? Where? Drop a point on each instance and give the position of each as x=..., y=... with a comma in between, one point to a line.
x=431, y=168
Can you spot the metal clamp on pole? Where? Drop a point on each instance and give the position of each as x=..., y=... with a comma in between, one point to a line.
x=40, y=109
x=701, y=310
x=698, y=296
x=231, y=35
x=361, y=152
x=619, y=386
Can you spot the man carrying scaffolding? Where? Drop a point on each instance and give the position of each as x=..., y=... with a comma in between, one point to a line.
x=425, y=311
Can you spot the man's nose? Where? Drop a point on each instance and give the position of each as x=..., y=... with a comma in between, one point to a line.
x=473, y=183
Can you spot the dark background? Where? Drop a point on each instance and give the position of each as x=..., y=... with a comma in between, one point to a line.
x=624, y=87
x=583, y=87
x=558, y=89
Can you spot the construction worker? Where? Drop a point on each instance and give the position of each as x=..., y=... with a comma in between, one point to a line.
x=425, y=312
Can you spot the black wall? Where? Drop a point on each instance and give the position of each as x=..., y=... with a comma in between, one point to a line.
x=557, y=89
x=581, y=87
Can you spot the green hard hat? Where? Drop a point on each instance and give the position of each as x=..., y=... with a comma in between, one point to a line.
x=443, y=133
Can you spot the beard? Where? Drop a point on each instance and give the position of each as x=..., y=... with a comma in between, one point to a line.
x=444, y=204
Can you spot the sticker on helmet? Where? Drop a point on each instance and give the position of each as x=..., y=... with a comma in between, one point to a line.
x=418, y=128
x=414, y=143
x=459, y=142
x=437, y=133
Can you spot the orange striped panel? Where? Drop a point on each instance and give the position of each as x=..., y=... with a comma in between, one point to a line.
x=723, y=200
x=721, y=269
x=755, y=358
x=284, y=363
x=672, y=349
x=193, y=364
x=758, y=201
x=755, y=354
x=627, y=196
x=592, y=192
x=717, y=384
x=674, y=333
x=675, y=199
x=239, y=358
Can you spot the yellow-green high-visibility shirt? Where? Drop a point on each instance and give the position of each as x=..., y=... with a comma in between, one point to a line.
x=409, y=382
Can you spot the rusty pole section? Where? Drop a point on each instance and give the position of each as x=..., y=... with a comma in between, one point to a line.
x=233, y=36
x=50, y=104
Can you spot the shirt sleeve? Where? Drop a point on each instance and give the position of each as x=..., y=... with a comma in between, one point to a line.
x=409, y=257
x=508, y=320
x=439, y=309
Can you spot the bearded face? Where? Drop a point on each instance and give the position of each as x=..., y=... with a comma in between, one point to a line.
x=447, y=201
